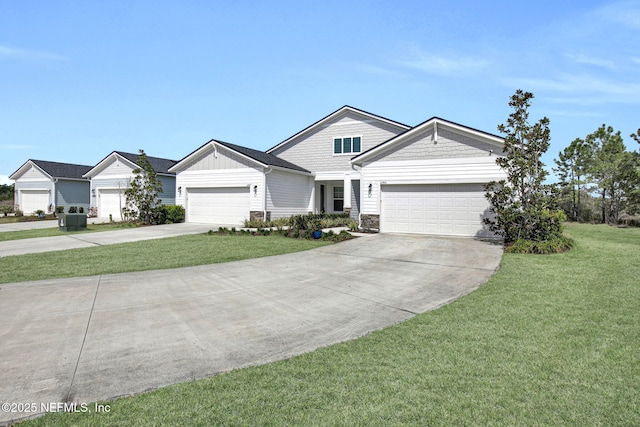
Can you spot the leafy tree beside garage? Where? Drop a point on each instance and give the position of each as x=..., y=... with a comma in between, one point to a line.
x=526, y=210
x=142, y=199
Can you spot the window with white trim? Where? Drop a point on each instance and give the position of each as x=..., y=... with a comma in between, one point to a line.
x=338, y=199
x=347, y=145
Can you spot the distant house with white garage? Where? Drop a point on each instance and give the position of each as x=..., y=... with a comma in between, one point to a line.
x=43, y=185
x=112, y=175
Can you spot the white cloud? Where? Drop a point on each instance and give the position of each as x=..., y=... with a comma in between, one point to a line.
x=4, y=179
x=439, y=64
x=13, y=53
x=625, y=13
x=591, y=60
x=585, y=88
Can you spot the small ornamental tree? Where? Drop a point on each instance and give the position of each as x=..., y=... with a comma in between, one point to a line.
x=142, y=194
x=524, y=207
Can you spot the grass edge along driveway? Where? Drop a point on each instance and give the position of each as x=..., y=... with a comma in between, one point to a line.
x=171, y=252
x=549, y=340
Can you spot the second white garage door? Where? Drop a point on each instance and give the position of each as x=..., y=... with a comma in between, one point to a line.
x=224, y=206
x=444, y=209
x=111, y=202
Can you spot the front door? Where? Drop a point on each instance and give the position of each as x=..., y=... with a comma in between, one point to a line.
x=322, y=209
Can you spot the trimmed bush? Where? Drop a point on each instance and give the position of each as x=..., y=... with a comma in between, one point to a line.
x=554, y=246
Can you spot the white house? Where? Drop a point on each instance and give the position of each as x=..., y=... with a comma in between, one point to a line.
x=113, y=174
x=43, y=185
x=390, y=177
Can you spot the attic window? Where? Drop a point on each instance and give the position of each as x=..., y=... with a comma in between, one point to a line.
x=347, y=145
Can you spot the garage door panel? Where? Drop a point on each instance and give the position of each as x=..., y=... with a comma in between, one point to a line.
x=33, y=200
x=110, y=203
x=446, y=209
x=224, y=206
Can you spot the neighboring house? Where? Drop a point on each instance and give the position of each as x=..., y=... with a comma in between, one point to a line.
x=43, y=185
x=112, y=175
x=390, y=177
x=224, y=184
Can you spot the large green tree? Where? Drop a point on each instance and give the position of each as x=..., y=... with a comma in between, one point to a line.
x=141, y=196
x=524, y=207
x=571, y=167
x=608, y=150
x=6, y=192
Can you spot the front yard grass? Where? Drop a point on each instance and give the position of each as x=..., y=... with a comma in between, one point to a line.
x=172, y=252
x=549, y=340
x=54, y=231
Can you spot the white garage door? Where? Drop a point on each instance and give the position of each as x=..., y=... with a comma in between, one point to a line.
x=223, y=206
x=32, y=200
x=445, y=209
x=111, y=202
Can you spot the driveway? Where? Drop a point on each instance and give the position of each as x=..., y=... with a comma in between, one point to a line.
x=100, y=238
x=96, y=338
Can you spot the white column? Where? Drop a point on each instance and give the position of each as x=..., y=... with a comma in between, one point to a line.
x=347, y=191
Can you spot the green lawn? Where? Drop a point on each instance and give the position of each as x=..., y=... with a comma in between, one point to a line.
x=549, y=340
x=172, y=252
x=54, y=231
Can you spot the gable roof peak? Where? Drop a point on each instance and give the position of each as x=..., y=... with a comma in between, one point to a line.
x=333, y=115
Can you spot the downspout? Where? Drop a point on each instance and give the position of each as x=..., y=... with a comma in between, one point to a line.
x=267, y=171
x=53, y=196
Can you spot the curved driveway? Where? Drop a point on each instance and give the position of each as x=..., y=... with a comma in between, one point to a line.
x=95, y=338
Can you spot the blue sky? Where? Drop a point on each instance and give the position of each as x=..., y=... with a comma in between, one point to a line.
x=79, y=79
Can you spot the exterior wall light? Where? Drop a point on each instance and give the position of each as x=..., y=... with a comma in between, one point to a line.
x=255, y=191
x=370, y=189
x=179, y=191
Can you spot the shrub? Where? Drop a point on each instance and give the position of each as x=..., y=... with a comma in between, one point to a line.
x=19, y=212
x=73, y=209
x=174, y=213
x=5, y=210
x=554, y=246
x=81, y=209
x=59, y=209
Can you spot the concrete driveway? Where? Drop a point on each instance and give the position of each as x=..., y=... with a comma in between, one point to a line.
x=100, y=238
x=95, y=338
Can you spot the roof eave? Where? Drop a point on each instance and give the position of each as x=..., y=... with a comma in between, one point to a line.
x=24, y=165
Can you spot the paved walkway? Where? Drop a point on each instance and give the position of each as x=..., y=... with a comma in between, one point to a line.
x=93, y=338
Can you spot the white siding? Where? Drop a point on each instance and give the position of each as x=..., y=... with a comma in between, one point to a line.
x=288, y=193
x=247, y=177
x=442, y=171
x=223, y=158
x=115, y=168
x=34, y=174
x=73, y=193
x=449, y=145
x=314, y=150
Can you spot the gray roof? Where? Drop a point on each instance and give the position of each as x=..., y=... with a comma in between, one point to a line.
x=262, y=157
x=62, y=170
x=160, y=165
